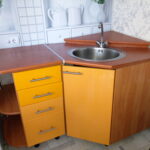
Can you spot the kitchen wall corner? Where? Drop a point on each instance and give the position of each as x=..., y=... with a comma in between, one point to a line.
x=132, y=17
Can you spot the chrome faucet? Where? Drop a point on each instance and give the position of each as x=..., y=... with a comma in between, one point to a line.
x=101, y=43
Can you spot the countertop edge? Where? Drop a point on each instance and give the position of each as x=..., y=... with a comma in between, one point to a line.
x=38, y=66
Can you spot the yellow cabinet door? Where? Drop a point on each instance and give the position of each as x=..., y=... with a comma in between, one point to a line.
x=88, y=102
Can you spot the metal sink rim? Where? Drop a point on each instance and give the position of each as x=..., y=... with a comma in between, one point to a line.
x=122, y=54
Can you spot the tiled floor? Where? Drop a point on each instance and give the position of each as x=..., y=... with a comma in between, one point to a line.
x=140, y=141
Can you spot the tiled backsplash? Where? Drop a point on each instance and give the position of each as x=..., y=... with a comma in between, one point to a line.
x=31, y=20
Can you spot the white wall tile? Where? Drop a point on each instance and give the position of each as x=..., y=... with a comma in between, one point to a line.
x=20, y=3
x=28, y=43
x=26, y=37
x=23, y=21
x=22, y=12
x=34, y=36
x=29, y=3
x=38, y=11
x=24, y=29
x=42, y=42
x=31, y=20
x=30, y=12
x=41, y=35
x=37, y=3
x=40, y=28
x=35, y=42
x=39, y=19
x=32, y=28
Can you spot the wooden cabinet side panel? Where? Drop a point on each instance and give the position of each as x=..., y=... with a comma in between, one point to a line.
x=88, y=103
x=131, y=105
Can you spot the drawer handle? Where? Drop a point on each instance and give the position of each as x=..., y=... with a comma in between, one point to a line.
x=44, y=95
x=74, y=73
x=43, y=111
x=40, y=79
x=46, y=131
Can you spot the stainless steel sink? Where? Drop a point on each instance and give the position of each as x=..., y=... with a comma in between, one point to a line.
x=96, y=54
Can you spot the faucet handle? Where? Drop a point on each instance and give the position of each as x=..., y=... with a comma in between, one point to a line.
x=102, y=44
x=98, y=43
x=105, y=44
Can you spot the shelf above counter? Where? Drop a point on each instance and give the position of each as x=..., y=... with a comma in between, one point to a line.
x=8, y=100
x=57, y=35
x=78, y=26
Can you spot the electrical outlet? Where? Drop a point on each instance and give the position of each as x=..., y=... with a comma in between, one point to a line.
x=14, y=40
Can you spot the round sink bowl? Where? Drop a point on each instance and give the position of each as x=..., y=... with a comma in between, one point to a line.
x=96, y=54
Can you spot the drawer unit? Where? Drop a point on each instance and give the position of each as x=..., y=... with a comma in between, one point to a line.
x=42, y=109
x=45, y=128
x=39, y=94
x=37, y=77
x=40, y=98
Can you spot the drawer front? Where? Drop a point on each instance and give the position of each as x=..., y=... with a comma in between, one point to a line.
x=81, y=31
x=39, y=94
x=58, y=36
x=33, y=78
x=45, y=128
x=42, y=109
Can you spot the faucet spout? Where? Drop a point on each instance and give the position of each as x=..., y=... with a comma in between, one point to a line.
x=101, y=43
x=102, y=31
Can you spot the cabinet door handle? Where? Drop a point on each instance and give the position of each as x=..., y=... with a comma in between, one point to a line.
x=43, y=95
x=45, y=110
x=74, y=73
x=40, y=79
x=46, y=131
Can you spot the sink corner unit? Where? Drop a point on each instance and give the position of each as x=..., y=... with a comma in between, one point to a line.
x=105, y=106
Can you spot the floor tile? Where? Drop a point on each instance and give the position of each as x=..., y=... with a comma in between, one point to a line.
x=146, y=134
x=43, y=146
x=140, y=141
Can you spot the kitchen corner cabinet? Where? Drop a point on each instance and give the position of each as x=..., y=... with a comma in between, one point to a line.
x=37, y=106
x=105, y=106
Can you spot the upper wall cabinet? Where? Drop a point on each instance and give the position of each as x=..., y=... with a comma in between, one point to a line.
x=70, y=13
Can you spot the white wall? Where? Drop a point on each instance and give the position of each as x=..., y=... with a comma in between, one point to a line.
x=132, y=17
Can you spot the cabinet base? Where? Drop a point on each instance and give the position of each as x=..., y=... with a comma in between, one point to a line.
x=37, y=145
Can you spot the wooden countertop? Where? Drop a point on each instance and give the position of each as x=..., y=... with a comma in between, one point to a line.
x=25, y=58
x=33, y=57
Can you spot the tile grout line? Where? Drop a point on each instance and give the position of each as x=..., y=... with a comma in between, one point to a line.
x=50, y=49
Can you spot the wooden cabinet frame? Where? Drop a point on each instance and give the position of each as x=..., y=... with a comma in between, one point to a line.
x=127, y=107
